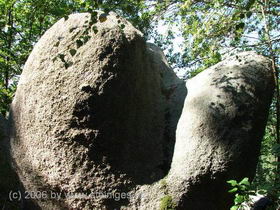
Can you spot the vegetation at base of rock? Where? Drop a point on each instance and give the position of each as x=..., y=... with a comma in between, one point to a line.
x=212, y=95
x=163, y=184
x=166, y=203
x=242, y=191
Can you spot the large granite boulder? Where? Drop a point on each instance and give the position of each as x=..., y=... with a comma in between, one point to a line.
x=220, y=130
x=95, y=111
x=94, y=117
x=218, y=135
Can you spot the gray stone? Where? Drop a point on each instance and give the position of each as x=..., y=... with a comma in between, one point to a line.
x=218, y=136
x=97, y=117
x=220, y=130
x=96, y=111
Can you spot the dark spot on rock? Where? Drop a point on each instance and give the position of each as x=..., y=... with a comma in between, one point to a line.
x=105, y=52
x=67, y=65
x=57, y=44
x=73, y=52
x=86, y=88
x=103, y=17
x=62, y=57
x=79, y=43
x=72, y=29
x=223, y=106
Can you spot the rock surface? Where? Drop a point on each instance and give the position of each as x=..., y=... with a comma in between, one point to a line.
x=220, y=130
x=93, y=113
x=218, y=136
x=94, y=117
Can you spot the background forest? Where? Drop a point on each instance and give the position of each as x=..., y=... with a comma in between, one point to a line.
x=210, y=29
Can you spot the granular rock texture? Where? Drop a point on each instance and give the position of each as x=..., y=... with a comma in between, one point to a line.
x=218, y=136
x=219, y=133
x=94, y=117
x=90, y=113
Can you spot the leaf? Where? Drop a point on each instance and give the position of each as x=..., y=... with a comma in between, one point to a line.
x=242, y=16
x=233, y=190
x=234, y=208
x=242, y=187
x=240, y=26
x=232, y=182
x=249, y=14
x=93, y=21
x=106, y=10
x=239, y=199
x=245, y=181
x=93, y=16
x=249, y=4
x=262, y=192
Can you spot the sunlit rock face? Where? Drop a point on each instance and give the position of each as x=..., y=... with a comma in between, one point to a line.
x=220, y=130
x=95, y=112
x=98, y=111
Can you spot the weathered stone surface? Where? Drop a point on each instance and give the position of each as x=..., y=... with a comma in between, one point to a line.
x=97, y=117
x=219, y=133
x=96, y=112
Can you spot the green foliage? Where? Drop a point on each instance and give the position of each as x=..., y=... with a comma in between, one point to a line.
x=6, y=95
x=218, y=28
x=242, y=191
x=215, y=28
x=166, y=203
x=163, y=184
x=267, y=180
